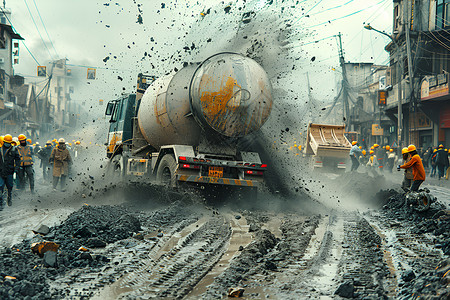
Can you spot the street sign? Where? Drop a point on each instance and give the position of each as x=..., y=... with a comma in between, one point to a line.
x=41, y=71
x=91, y=73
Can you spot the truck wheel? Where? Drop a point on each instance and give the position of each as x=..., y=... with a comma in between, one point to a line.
x=115, y=167
x=166, y=171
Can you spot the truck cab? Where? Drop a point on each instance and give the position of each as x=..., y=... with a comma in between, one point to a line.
x=121, y=112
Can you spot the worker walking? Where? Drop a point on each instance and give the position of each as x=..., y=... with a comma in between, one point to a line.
x=415, y=163
x=26, y=163
x=433, y=163
x=61, y=160
x=44, y=155
x=355, y=152
x=441, y=161
x=9, y=163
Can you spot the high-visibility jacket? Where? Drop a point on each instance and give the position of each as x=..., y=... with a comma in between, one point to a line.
x=26, y=155
x=416, y=164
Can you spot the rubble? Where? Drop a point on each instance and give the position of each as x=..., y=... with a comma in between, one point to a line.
x=42, y=230
x=235, y=292
x=42, y=247
x=346, y=290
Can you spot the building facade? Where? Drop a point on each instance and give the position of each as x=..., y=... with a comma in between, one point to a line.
x=419, y=68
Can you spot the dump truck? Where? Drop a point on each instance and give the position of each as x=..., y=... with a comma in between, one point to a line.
x=327, y=146
x=185, y=128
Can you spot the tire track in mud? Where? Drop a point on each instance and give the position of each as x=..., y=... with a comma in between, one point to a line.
x=363, y=261
x=405, y=250
x=177, y=264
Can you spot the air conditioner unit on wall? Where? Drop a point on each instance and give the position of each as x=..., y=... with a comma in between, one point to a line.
x=2, y=60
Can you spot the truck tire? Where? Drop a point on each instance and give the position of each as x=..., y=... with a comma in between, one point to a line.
x=115, y=167
x=165, y=174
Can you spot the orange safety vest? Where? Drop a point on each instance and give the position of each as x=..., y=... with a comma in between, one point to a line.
x=25, y=156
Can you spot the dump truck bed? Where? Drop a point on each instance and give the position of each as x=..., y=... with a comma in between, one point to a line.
x=327, y=141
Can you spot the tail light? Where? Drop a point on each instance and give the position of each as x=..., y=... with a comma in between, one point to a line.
x=250, y=172
x=183, y=158
x=189, y=166
x=264, y=166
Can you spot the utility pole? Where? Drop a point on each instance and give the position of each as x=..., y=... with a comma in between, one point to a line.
x=345, y=106
x=408, y=53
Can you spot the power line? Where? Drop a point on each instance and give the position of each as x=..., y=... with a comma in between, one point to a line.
x=21, y=40
x=39, y=32
x=346, y=16
x=307, y=12
x=54, y=49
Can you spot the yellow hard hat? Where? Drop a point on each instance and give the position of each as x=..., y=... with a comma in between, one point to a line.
x=371, y=148
x=354, y=143
x=48, y=143
x=384, y=147
x=22, y=137
x=364, y=152
x=61, y=141
x=360, y=147
x=1, y=139
x=435, y=150
x=78, y=142
x=29, y=141
x=405, y=150
x=388, y=147
x=8, y=138
x=391, y=150
x=70, y=144
x=54, y=140
x=441, y=146
x=371, y=152
x=411, y=148
x=376, y=145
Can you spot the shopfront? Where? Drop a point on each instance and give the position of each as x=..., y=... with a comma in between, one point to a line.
x=434, y=93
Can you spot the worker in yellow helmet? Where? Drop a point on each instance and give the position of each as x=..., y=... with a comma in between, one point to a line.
x=9, y=164
x=355, y=152
x=391, y=158
x=1, y=140
x=26, y=171
x=372, y=163
x=414, y=163
x=61, y=160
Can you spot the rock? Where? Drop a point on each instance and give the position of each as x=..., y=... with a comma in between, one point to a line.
x=26, y=288
x=85, y=232
x=43, y=230
x=83, y=249
x=238, y=217
x=139, y=236
x=253, y=227
x=235, y=292
x=42, y=247
x=160, y=234
x=408, y=275
x=95, y=242
x=85, y=256
x=346, y=290
x=50, y=259
x=241, y=248
x=270, y=265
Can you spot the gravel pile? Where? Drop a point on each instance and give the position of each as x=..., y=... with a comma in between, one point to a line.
x=435, y=221
x=89, y=227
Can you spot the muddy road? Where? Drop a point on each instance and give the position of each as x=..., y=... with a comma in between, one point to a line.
x=139, y=241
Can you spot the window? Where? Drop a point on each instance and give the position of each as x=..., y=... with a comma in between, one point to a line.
x=442, y=14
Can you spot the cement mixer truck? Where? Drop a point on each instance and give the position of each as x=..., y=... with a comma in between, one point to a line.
x=185, y=128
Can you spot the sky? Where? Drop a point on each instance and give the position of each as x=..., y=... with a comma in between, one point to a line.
x=122, y=38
